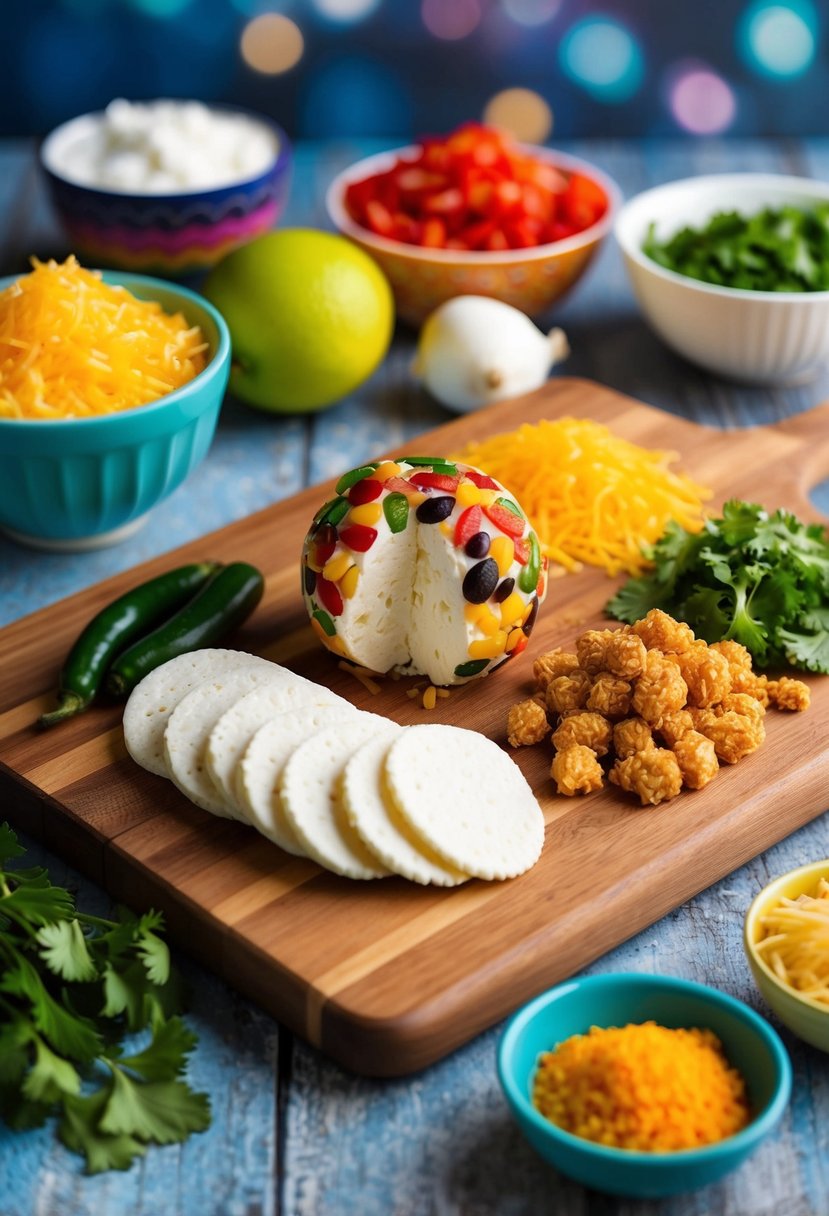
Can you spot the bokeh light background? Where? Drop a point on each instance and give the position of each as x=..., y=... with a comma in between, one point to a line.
x=350, y=68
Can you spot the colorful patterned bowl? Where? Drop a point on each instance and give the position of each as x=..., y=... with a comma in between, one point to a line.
x=83, y=483
x=421, y=279
x=808, y=1018
x=614, y=1000
x=175, y=235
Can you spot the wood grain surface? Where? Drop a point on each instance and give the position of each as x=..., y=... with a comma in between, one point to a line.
x=387, y=977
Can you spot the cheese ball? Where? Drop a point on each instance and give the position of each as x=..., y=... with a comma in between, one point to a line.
x=422, y=566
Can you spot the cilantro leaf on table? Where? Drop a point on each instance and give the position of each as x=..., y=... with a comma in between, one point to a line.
x=71, y=987
x=760, y=579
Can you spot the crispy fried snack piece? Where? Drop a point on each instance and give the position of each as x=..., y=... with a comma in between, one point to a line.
x=787, y=693
x=592, y=648
x=661, y=632
x=610, y=695
x=625, y=655
x=737, y=657
x=632, y=735
x=707, y=674
x=654, y=774
x=756, y=686
x=675, y=725
x=741, y=703
x=568, y=692
x=556, y=662
x=734, y=735
x=590, y=730
x=526, y=724
x=660, y=690
x=697, y=759
x=576, y=770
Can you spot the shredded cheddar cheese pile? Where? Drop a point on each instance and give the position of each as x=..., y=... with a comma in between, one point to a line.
x=72, y=346
x=591, y=496
x=642, y=1087
x=796, y=945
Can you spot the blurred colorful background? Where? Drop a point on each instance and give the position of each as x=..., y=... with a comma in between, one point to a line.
x=341, y=68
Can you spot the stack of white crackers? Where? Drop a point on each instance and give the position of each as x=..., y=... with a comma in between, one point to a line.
x=247, y=739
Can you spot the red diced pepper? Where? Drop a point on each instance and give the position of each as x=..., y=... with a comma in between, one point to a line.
x=476, y=235
x=415, y=180
x=584, y=201
x=358, y=537
x=365, y=491
x=445, y=202
x=400, y=485
x=522, y=550
x=433, y=235
x=329, y=596
x=496, y=241
x=503, y=520
x=379, y=218
x=435, y=481
x=481, y=480
x=508, y=195
x=469, y=522
x=405, y=228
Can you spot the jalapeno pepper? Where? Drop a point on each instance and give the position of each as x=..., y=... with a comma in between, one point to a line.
x=223, y=603
x=115, y=627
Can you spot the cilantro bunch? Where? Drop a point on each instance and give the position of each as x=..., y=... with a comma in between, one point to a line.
x=783, y=249
x=71, y=987
x=760, y=579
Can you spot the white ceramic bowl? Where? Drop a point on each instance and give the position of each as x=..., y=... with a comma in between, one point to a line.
x=764, y=337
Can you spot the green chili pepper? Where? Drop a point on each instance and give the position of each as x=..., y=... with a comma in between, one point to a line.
x=396, y=511
x=473, y=668
x=115, y=627
x=221, y=605
x=328, y=626
x=351, y=478
x=528, y=578
x=509, y=505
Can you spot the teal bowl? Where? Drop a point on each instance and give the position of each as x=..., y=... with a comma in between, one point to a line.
x=615, y=1000
x=83, y=483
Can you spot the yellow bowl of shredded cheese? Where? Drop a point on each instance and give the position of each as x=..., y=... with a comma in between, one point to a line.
x=110, y=389
x=786, y=941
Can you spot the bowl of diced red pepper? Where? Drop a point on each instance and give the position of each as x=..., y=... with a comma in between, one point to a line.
x=475, y=213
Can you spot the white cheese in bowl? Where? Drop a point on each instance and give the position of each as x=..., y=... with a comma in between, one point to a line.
x=163, y=147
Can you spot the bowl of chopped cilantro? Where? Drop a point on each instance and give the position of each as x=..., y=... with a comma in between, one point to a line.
x=732, y=272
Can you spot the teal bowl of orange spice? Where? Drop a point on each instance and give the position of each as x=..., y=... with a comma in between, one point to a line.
x=643, y=1085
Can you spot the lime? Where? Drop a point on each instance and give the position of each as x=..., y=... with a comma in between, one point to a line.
x=310, y=317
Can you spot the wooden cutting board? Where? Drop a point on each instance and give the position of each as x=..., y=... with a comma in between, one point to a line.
x=387, y=977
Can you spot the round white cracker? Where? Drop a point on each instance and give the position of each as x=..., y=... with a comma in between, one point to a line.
x=189, y=726
x=309, y=791
x=375, y=818
x=237, y=726
x=255, y=784
x=467, y=799
x=153, y=700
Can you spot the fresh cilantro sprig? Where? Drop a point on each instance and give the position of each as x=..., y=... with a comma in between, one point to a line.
x=72, y=986
x=783, y=249
x=760, y=579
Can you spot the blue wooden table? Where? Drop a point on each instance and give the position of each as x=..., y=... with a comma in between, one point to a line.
x=292, y=1133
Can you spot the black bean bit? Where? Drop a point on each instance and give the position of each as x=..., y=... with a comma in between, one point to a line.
x=310, y=579
x=530, y=621
x=325, y=534
x=478, y=545
x=480, y=582
x=503, y=590
x=434, y=510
